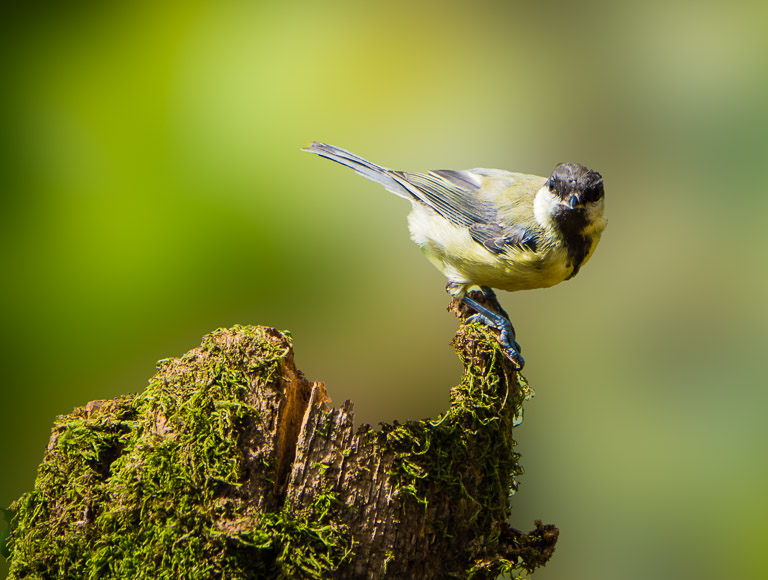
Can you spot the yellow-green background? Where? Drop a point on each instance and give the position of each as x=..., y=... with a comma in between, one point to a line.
x=152, y=190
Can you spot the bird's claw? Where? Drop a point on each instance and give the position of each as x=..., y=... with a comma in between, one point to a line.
x=506, y=337
x=498, y=320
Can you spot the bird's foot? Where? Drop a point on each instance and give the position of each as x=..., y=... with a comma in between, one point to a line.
x=501, y=323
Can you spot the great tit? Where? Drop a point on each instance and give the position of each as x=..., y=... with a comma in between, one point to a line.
x=495, y=229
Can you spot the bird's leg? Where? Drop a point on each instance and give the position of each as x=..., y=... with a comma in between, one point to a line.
x=498, y=320
x=490, y=296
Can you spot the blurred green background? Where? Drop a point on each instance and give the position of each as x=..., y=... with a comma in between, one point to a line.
x=152, y=190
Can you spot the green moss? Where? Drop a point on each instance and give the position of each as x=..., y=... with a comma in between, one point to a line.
x=163, y=484
x=304, y=545
x=5, y=531
x=150, y=486
x=465, y=458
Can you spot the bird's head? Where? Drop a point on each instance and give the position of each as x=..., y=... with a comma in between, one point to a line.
x=576, y=186
x=576, y=198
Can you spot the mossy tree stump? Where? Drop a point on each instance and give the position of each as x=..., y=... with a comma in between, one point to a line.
x=231, y=464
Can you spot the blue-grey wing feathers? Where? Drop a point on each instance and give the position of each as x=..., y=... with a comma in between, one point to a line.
x=452, y=194
x=457, y=204
x=498, y=239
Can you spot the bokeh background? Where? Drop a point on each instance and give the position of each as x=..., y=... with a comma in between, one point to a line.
x=152, y=190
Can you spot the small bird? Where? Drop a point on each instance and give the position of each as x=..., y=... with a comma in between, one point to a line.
x=495, y=229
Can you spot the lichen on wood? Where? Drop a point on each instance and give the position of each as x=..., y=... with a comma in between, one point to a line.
x=232, y=464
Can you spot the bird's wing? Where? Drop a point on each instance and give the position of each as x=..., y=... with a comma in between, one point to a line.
x=497, y=238
x=454, y=195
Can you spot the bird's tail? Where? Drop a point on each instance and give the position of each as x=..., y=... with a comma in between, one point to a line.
x=381, y=175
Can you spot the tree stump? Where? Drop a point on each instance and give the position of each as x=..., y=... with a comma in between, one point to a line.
x=231, y=464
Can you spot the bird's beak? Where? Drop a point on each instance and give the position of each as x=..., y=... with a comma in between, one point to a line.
x=572, y=201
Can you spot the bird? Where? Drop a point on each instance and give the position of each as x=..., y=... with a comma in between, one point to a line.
x=491, y=228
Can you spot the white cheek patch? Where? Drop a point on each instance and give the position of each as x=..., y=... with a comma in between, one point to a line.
x=544, y=205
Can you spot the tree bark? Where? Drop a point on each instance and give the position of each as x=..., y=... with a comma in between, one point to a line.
x=232, y=464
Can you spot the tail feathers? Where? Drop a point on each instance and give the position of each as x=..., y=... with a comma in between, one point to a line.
x=380, y=175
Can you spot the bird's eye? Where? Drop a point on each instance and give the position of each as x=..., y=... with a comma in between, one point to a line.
x=593, y=193
x=551, y=183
